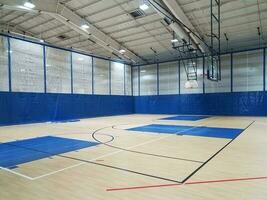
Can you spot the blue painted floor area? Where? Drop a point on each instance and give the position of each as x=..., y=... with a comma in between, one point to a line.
x=228, y=133
x=23, y=151
x=186, y=117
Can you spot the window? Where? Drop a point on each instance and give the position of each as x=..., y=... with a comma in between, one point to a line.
x=117, y=78
x=4, y=85
x=135, y=81
x=247, y=71
x=101, y=76
x=58, y=71
x=169, y=78
x=82, y=73
x=128, y=80
x=148, y=80
x=27, y=69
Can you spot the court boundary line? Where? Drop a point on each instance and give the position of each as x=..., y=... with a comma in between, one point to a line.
x=94, y=159
x=188, y=183
x=104, y=165
x=214, y=155
x=17, y=173
x=82, y=161
x=150, y=154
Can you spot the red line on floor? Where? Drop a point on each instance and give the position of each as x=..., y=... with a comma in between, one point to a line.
x=187, y=183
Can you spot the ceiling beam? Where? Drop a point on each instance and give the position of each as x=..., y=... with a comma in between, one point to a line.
x=66, y=16
x=182, y=31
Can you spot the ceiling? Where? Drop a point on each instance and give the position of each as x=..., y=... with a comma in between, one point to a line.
x=148, y=37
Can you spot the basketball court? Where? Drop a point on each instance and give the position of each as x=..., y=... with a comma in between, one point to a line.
x=133, y=99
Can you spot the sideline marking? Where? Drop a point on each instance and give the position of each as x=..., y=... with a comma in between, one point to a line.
x=17, y=173
x=188, y=183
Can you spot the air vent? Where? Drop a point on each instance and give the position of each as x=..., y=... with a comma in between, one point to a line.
x=62, y=37
x=137, y=13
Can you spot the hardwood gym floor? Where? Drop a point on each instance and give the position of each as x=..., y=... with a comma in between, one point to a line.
x=99, y=158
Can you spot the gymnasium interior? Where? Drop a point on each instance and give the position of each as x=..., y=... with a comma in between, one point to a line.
x=133, y=99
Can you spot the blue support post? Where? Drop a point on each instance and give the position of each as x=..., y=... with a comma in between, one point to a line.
x=71, y=72
x=44, y=57
x=231, y=72
x=157, y=78
x=9, y=65
x=203, y=68
x=264, y=69
x=93, y=76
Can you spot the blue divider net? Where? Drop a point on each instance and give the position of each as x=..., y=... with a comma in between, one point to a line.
x=234, y=104
x=17, y=108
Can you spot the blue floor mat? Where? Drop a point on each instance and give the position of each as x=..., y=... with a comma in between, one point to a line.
x=228, y=133
x=23, y=151
x=186, y=117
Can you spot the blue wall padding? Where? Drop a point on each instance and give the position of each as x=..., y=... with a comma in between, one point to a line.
x=18, y=108
x=228, y=133
x=23, y=151
x=186, y=117
x=236, y=103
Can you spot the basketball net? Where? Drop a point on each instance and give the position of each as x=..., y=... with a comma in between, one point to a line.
x=190, y=84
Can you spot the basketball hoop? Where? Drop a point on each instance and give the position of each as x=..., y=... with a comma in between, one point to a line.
x=190, y=84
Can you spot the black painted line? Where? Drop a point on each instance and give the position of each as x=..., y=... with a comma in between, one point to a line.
x=214, y=155
x=95, y=163
x=141, y=152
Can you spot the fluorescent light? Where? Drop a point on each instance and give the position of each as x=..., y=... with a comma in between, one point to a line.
x=84, y=26
x=23, y=7
x=29, y=4
x=174, y=40
x=143, y=7
x=122, y=51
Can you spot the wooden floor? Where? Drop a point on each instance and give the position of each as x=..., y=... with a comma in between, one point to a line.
x=132, y=165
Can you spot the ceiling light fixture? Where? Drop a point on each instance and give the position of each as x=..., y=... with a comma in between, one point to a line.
x=41, y=40
x=122, y=51
x=143, y=5
x=29, y=4
x=174, y=40
x=84, y=26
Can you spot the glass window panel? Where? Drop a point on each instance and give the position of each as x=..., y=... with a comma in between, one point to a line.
x=247, y=71
x=82, y=73
x=135, y=81
x=117, y=78
x=58, y=71
x=101, y=76
x=128, y=80
x=224, y=85
x=4, y=85
x=168, y=78
x=27, y=66
x=148, y=80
